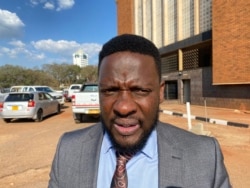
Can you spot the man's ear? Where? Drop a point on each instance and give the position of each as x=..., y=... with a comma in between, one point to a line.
x=162, y=88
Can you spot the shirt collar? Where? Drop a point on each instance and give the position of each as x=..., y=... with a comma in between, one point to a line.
x=149, y=150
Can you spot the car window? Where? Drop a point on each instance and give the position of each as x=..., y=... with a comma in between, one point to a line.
x=41, y=96
x=48, y=96
x=75, y=87
x=90, y=88
x=25, y=88
x=5, y=90
x=46, y=89
x=19, y=97
x=16, y=89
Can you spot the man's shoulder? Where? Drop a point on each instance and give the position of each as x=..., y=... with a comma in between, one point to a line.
x=181, y=137
x=87, y=133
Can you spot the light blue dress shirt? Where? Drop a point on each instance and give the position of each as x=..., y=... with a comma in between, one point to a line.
x=142, y=169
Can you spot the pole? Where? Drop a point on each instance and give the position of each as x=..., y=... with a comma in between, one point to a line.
x=205, y=104
x=188, y=115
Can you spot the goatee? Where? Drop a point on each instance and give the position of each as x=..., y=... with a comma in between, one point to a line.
x=139, y=145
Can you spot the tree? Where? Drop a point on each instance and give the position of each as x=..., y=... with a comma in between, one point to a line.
x=52, y=75
x=89, y=73
x=63, y=73
x=15, y=75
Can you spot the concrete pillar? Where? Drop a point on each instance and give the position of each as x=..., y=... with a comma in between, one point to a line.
x=179, y=20
x=196, y=17
x=180, y=60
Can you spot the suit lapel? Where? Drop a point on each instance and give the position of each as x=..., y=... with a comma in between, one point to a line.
x=89, y=163
x=170, y=159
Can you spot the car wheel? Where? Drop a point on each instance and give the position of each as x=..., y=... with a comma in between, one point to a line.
x=77, y=121
x=78, y=118
x=7, y=120
x=39, y=115
x=96, y=116
x=58, y=109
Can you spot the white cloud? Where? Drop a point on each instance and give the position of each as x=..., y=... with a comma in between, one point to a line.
x=65, y=4
x=52, y=46
x=47, y=51
x=54, y=4
x=34, y=2
x=18, y=49
x=17, y=43
x=92, y=49
x=63, y=48
x=10, y=25
x=49, y=5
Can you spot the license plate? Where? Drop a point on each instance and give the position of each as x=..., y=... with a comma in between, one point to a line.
x=14, y=107
x=93, y=111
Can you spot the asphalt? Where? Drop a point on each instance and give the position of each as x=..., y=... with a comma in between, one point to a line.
x=220, y=116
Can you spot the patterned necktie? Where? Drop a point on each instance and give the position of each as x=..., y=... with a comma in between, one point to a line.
x=120, y=179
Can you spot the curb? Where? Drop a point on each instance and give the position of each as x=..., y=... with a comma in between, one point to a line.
x=209, y=120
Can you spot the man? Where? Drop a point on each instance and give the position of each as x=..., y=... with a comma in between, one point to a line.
x=163, y=155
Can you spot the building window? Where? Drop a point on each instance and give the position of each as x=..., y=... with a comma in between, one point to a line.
x=190, y=59
x=171, y=90
x=169, y=63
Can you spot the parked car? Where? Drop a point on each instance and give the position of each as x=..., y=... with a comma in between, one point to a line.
x=72, y=89
x=86, y=102
x=30, y=105
x=65, y=94
x=58, y=95
x=4, y=90
x=4, y=93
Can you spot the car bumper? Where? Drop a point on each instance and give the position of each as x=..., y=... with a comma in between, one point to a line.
x=17, y=115
x=78, y=110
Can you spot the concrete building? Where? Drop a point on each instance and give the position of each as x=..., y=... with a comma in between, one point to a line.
x=80, y=58
x=204, y=45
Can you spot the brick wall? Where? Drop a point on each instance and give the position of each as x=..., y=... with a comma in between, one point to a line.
x=231, y=42
x=125, y=16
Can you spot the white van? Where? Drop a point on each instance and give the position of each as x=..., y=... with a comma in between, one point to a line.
x=72, y=89
x=58, y=95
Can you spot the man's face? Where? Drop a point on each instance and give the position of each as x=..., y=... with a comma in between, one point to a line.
x=130, y=94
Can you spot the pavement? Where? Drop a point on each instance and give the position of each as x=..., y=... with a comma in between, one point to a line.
x=220, y=116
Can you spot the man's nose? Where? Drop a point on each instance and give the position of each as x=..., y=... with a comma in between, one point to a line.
x=125, y=104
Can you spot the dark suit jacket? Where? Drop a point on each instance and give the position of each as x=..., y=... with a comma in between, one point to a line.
x=185, y=159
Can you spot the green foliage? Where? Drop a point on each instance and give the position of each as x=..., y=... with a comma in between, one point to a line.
x=63, y=73
x=15, y=75
x=52, y=75
x=89, y=73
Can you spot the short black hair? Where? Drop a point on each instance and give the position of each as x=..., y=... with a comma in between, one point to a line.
x=132, y=43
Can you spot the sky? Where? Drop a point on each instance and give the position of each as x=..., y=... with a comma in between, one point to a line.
x=37, y=32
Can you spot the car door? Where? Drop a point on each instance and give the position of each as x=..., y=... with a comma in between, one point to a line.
x=51, y=103
x=44, y=103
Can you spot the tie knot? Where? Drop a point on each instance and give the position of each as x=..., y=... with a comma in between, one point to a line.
x=123, y=157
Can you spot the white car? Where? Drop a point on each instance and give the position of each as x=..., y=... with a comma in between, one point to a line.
x=72, y=89
x=4, y=93
x=28, y=105
x=58, y=95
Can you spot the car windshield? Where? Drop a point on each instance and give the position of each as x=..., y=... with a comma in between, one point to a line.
x=5, y=90
x=75, y=87
x=19, y=97
x=46, y=89
x=90, y=88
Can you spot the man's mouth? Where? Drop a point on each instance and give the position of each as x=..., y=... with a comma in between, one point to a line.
x=126, y=127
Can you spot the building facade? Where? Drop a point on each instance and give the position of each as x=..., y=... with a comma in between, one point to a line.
x=204, y=47
x=80, y=58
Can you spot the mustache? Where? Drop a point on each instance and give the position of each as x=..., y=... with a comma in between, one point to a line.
x=126, y=121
